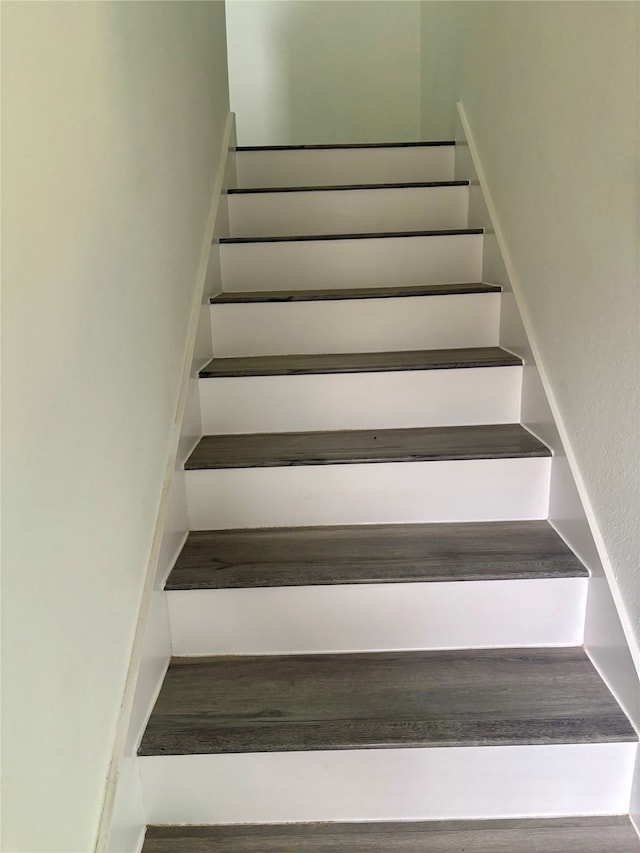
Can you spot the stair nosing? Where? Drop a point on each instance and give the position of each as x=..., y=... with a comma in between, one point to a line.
x=348, y=145
x=381, y=235
x=400, y=185
x=249, y=297
x=524, y=574
x=503, y=738
x=216, y=369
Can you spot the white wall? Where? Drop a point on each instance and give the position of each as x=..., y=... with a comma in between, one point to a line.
x=312, y=71
x=113, y=121
x=550, y=91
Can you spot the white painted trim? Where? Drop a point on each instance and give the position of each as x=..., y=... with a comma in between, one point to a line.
x=121, y=822
x=539, y=612
x=335, y=401
x=390, y=492
x=319, y=167
x=348, y=211
x=368, y=262
x=634, y=802
x=435, y=783
x=356, y=325
x=609, y=637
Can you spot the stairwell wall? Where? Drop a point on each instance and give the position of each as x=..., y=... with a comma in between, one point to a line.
x=317, y=72
x=551, y=93
x=114, y=120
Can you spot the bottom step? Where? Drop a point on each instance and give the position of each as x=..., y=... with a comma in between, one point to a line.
x=391, y=736
x=558, y=835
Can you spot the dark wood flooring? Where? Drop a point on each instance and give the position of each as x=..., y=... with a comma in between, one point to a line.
x=387, y=699
x=550, y=835
x=360, y=362
x=379, y=553
x=353, y=293
x=266, y=450
x=401, y=185
x=343, y=145
x=305, y=238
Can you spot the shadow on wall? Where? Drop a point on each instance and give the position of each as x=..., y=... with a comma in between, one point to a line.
x=314, y=71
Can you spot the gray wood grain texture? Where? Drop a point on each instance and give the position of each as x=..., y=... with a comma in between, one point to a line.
x=342, y=145
x=542, y=835
x=384, y=553
x=305, y=238
x=402, y=185
x=360, y=362
x=382, y=700
x=337, y=293
x=267, y=450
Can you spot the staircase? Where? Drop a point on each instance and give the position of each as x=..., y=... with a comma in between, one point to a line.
x=377, y=634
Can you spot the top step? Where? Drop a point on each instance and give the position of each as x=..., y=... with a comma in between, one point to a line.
x=326, y=165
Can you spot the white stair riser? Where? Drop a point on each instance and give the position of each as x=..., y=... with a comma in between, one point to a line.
x=356, y=325
x=367, y=262
x=409, y=398
x=333, y=167
x=467, y=490
x=378, y=617
x=389, y=784
x=348, y=211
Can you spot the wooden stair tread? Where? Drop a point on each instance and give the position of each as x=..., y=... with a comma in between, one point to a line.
x=366, y=235
x=379, y=553
x=553, y=835
x=487, y=441
x=347, y=145
x=398, y=185
x=382, y=700
x=359, y=362
x=336, y=293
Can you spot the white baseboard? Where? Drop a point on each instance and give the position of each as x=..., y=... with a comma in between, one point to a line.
x=128, y=817
x=123, y=815
x=609, y=639
x=634, y=808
